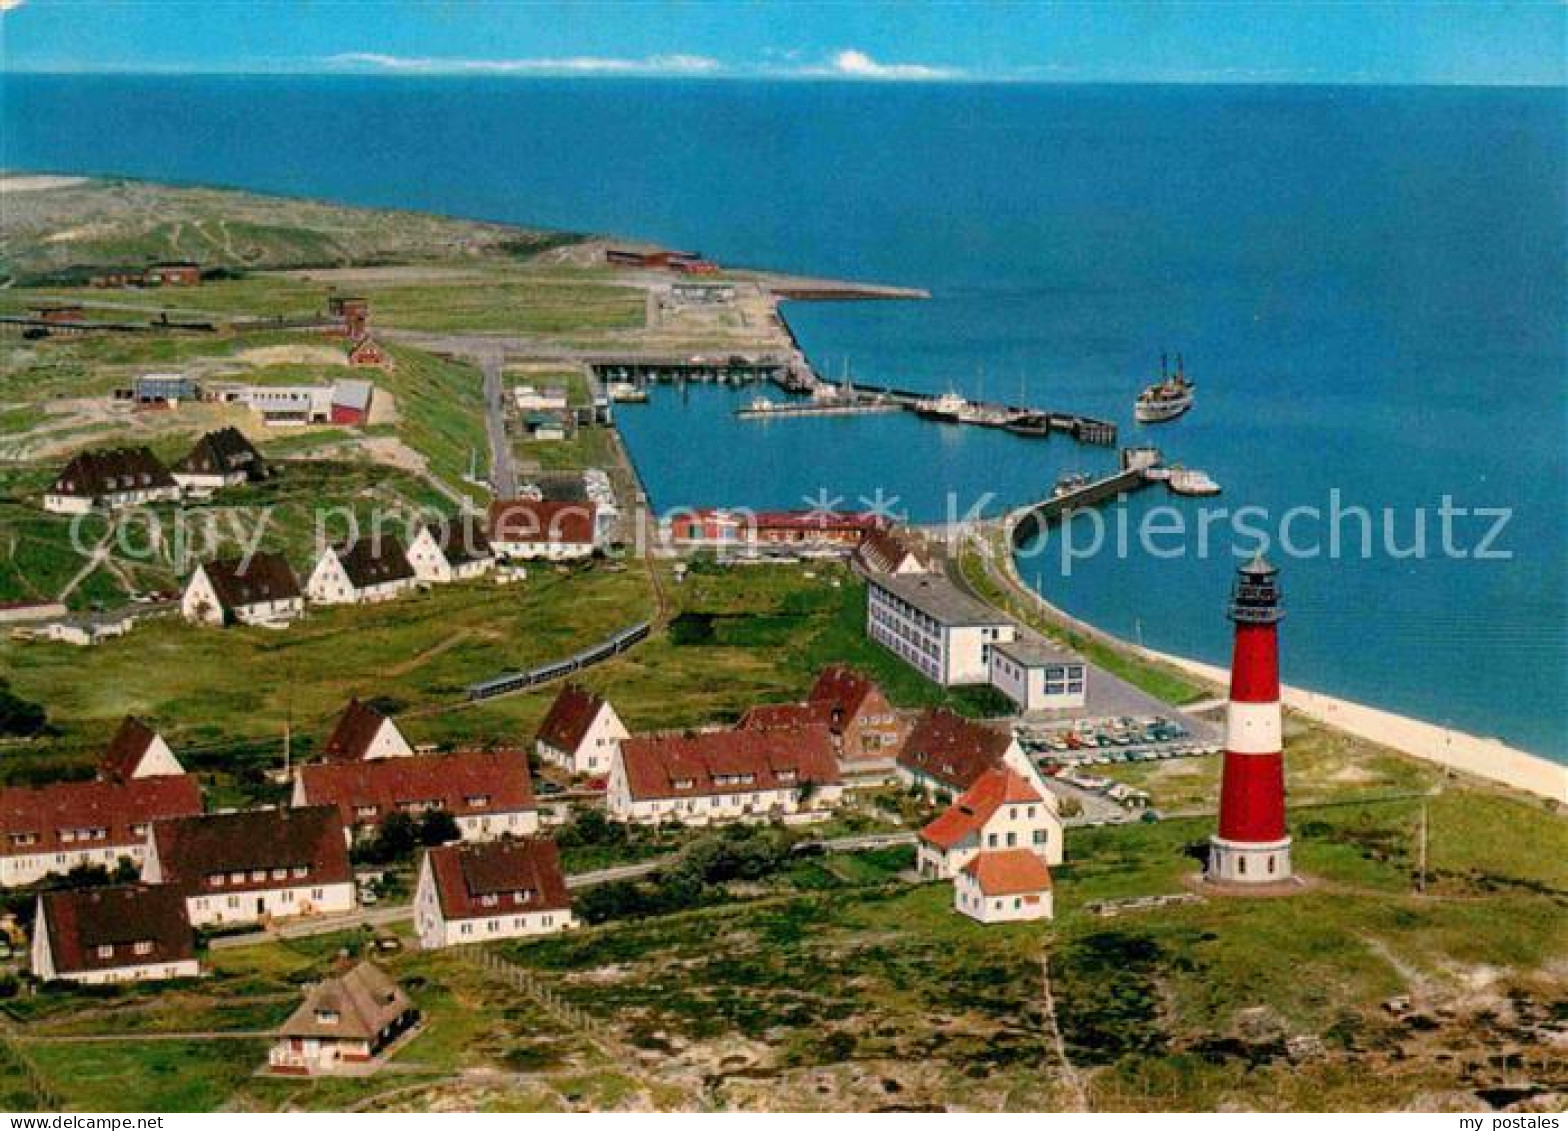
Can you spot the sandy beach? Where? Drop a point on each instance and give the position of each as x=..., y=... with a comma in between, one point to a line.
x=1466, y=753
x=1486, y=758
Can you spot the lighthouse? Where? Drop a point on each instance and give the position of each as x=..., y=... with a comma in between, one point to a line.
x=1252, y=846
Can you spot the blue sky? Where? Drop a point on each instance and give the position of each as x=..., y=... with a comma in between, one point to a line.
x=1348, y=41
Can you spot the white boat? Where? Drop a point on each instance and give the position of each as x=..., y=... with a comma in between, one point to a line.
x=946, y=407
x=1166, y=400
x=761, y=404
x=1191, y=481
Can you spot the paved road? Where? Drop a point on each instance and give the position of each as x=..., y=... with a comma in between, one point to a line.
x=403, y=912
x=503, y=473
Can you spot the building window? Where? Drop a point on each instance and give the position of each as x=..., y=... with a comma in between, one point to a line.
x=106, y=951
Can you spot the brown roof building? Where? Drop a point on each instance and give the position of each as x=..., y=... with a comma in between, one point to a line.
x=362, y=733
x=260, y=588
x=726, y=775
x=111, y=478
x=129, y=932
x=948, y=753
x=343, y=1024
x=533, y=528
x=54, y=828
x=488, y=792
x=581, y=733
x=224, y=458
x=868, y=725
x=256, y=865
x=368, y=569
x=471, y=893
x=137, y=751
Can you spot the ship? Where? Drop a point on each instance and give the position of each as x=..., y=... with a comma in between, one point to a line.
x=946, y=407
x=1167, y=399
x=1191, y=481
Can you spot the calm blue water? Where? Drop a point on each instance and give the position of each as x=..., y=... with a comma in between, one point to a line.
x=1369, y=286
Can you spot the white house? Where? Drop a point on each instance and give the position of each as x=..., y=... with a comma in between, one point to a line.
x=369, y=569
x=487, y=792
x=729, y=775
x=1039, y=676
x=470, y=893
x=260, y=589
x=582, y=732
x=137, y=751
x=123, y=933
x=118, y=477
x=51, y=829
x=940, y=631
x=254, y=866
x=1010, y=886
x=364, y=734
x=554, y=530
x=1002, y=810
x=454, y=551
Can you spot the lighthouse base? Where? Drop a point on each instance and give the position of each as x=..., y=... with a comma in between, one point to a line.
x=1245, y=862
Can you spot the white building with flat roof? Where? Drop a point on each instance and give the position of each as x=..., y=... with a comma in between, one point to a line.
x=1039, y=676
x=942, y=632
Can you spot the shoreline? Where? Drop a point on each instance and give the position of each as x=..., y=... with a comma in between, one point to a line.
x=1489, y=759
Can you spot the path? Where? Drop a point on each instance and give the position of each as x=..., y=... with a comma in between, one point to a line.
x=1070, y=1077
x=100, y=553
x=404, y=912
x=503, y=473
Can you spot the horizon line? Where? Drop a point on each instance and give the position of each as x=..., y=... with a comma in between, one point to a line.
x=787, y=78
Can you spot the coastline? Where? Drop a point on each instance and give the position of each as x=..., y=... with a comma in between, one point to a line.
x=1486, y=758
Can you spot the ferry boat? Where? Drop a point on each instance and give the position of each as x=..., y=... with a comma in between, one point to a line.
x=946, y=407
x=1166, y=400
x=761, y=404
x=1191, y=481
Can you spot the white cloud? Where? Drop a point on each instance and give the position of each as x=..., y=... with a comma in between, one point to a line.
x=859, y=65
x=8, y=5
x=567, y=65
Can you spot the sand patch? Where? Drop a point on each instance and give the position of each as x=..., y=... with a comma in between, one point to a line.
x=261, y=356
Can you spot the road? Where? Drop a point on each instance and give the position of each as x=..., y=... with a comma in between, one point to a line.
x=403, y=912
x=503, y=473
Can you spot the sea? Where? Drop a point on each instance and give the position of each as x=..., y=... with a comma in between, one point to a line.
x=1368, y=285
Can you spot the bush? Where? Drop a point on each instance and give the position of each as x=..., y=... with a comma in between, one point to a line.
x=20, y=718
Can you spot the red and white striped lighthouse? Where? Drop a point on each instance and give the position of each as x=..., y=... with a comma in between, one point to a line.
x=1252, y=846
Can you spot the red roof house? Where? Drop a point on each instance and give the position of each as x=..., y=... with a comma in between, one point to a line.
x=364, y=734
x=54, y=828
x=488, y=792
x=947, y=754
x=1013, y=885
x=543, y=528
x=582, y=732
x=256, y=865
x=726, y=775
x=123, y=933
x=470, y=893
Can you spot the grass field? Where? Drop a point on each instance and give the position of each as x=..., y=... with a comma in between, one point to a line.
x=67, y=231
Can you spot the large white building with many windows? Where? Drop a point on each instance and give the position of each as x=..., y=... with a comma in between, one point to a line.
x=943, y=633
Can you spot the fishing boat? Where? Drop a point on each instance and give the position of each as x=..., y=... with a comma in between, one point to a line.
x=1167, y=399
